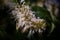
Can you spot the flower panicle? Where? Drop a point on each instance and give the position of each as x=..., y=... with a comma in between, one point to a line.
x=25, y=19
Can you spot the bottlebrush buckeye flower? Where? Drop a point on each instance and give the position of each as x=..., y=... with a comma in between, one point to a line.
x=26, y=20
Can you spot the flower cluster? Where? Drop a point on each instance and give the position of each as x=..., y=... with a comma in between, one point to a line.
x=25, y=19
